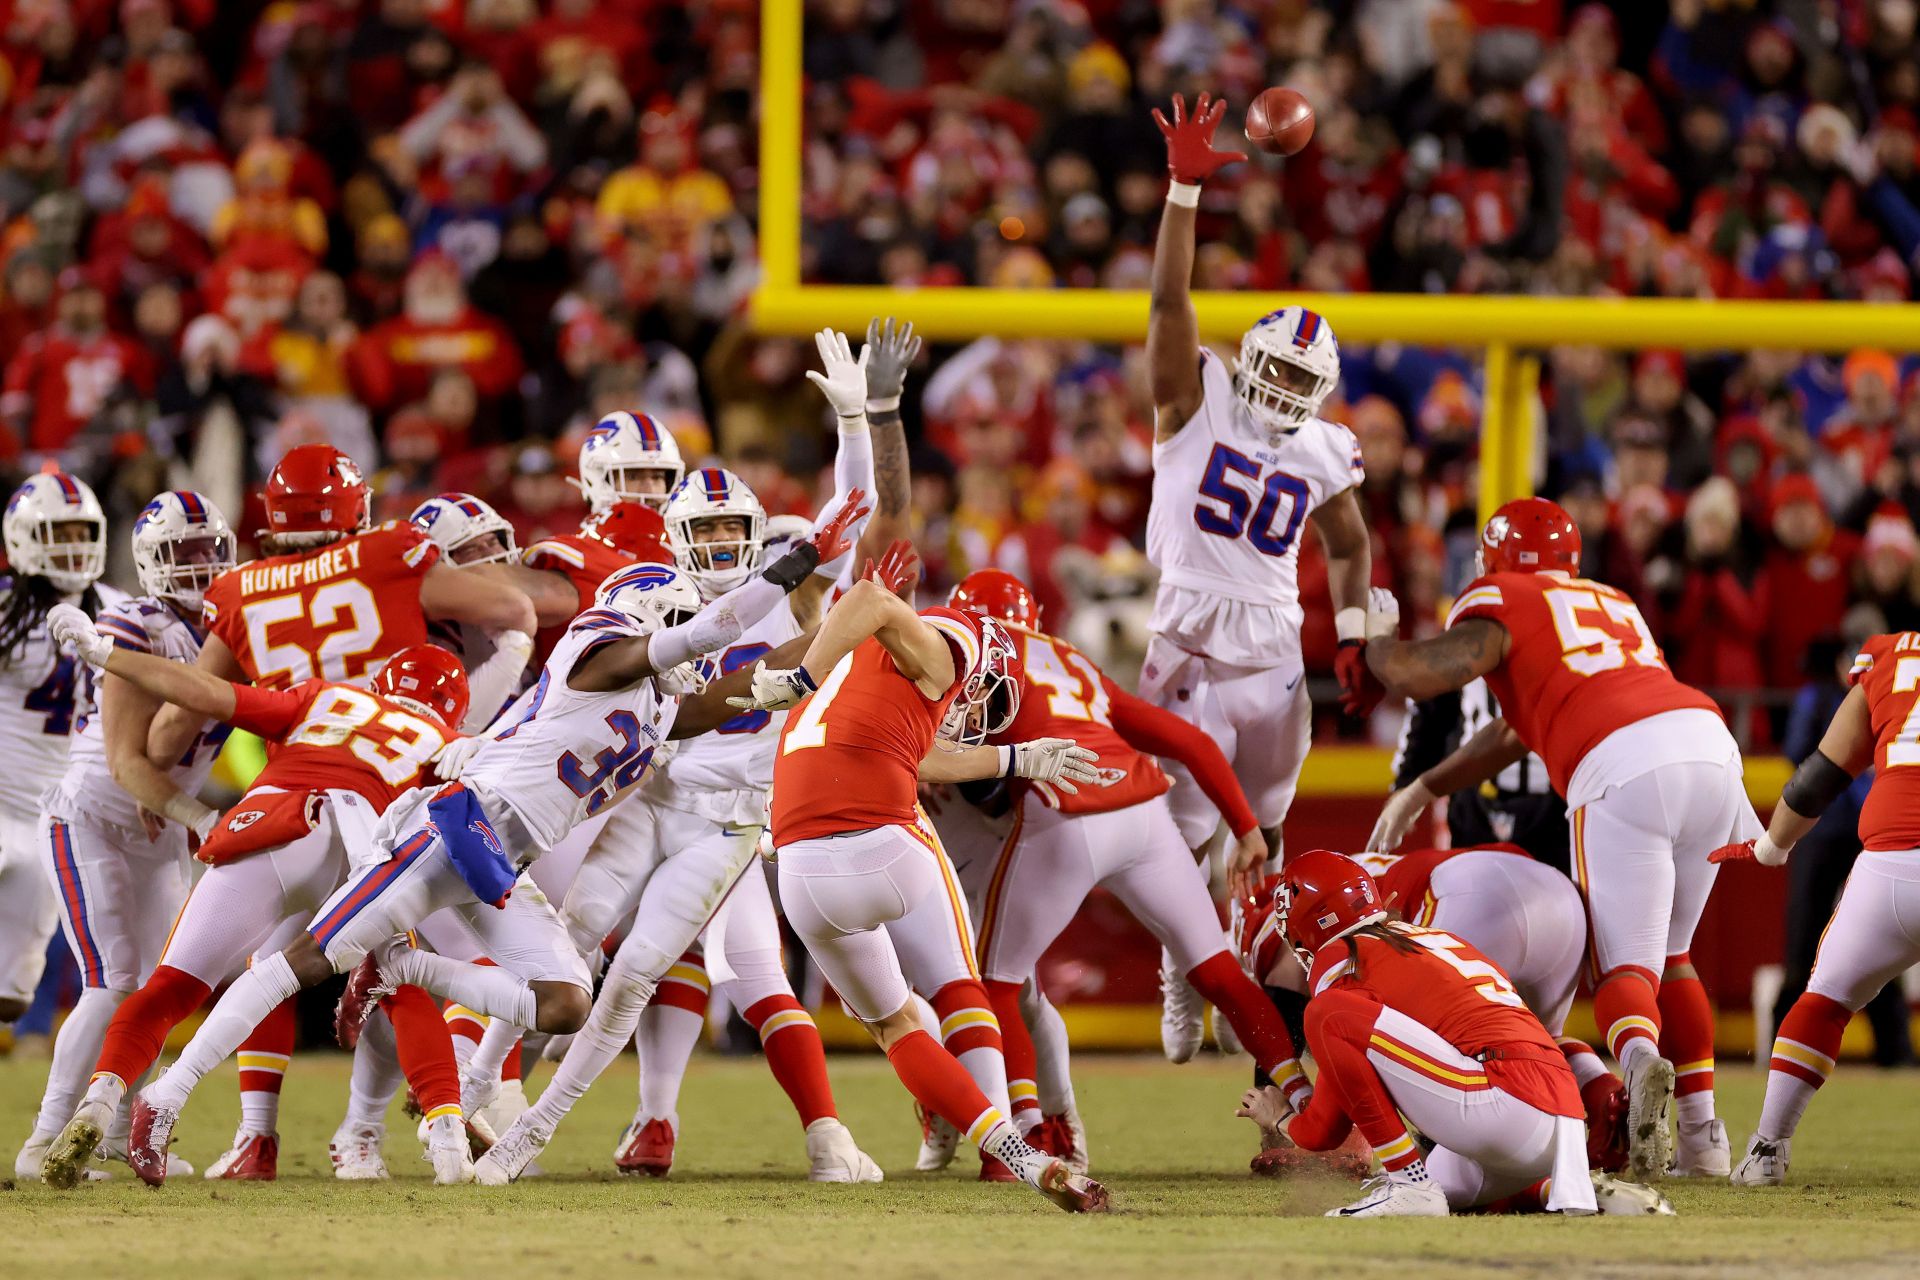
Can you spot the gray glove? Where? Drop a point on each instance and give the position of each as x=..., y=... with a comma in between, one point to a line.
x=889, y=353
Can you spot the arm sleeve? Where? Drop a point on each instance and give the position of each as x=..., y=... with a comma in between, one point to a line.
x=1161, y=733
x=716, y=626
x=1432, y=729
x=270, y=713
x=1323, y=1125
x=852, y=469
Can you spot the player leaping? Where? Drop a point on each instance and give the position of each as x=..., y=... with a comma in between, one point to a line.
x=1651, y=776
x=1241, y=460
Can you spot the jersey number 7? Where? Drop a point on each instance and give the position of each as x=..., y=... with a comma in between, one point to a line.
x=1267, y=513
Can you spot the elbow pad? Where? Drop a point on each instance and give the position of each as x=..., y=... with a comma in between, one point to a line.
x=793, y=568
x=1815, y=785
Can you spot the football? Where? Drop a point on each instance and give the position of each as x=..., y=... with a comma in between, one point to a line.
x=1280, y=122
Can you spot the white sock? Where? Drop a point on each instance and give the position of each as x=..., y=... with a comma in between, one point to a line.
x=75, y=1050
x=1586, y=1064
x=1635, y=1048
x=988, y=1067
x=1004, y=1143
x=252, y=996
x=123, y=1108
x=929, y=1020
x=376, y=1074
x=1052, y=1074
x=489, y=1056
x=629, y=985
x=484, y=988
x=260, y=1110
x=1693, y=1109
x=665, y=1043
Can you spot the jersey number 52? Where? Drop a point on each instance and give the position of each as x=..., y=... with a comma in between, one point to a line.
x=1236, y=502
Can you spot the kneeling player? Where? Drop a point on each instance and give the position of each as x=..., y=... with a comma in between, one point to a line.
x=1414, y=1023
x=1875, y=933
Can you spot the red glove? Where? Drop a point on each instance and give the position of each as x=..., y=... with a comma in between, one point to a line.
x=1360, y=690
x=1190, y=154
x=898, y=569
x=1741, y=852
x=834, y=538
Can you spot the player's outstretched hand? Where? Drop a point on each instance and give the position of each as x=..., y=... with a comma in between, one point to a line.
x=775, y=688
x=898, y=569
x=888, y=355
x=1383, y=614
x=1397, y=816
x=1191, y=156
x=845, y=381
x=451, y=760
x=1267, y=1106
x=1244, y=866
x=74, y=631
x=834, y=538
x=1058, y=762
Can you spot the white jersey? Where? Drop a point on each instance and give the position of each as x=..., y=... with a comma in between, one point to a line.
x=1229, y=510
x=142, y=625
x=43, y=693
x=571, y=754
x=725, y=775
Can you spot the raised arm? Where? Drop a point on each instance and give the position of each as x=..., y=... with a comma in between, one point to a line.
x=1173, y=328
x=868, y=609
x=845, y=382
x=889, y=353
x=1421, y=669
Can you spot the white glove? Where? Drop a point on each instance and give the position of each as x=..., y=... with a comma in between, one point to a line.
x=1383, y=614
x=681, y=681
x=1059, y=762
x=845, y=381
x=74, y=631
x=451, y=760
x=776, y=688
x=1398, y=815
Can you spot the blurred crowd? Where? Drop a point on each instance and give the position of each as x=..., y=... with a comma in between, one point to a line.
x=449, y=234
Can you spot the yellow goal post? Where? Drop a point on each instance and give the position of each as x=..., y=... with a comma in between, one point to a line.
x=1507, y=327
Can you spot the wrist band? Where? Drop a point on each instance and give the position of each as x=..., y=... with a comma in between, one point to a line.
x=1184, y=194
x=1006, y=761
x=857, y=420
x=1350, y=623
x=804, y=678
x=882, y=404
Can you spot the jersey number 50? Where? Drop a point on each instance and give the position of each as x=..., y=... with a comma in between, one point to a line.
x=1269, y=524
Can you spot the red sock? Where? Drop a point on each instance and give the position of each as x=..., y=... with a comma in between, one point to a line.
x=265, y=1052
x=1686, y=1029
x=464, y=1023
x=794, y=1054
x=425, y=1049
x=1023, y=1063
x=1626, y=1007
x=966, y=1017
x=940, y=1084
x=1808, y=1040
x=685, y=985
x=1226, y=986
x=1339, y=1028
x=140, y=1025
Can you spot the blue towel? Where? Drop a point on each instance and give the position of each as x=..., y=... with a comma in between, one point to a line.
x=472, y=843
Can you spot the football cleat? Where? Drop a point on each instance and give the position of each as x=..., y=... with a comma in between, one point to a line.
x=992, y=1169
x=27, y=1165
x=1649, y=1118
x=1074, y=1192
x=356, y=1155
x=1224, y=1035
x=1765, y=1164
x=647, y=1146
x=938, y=1141
x=149, y=1138
x=833, y=1156
x=1181, y=1013
x=477, y=1093
x=512, y=1154
x=1390, y=1198
x=449, y=1151
x=1606, y=1103
x=365, y=989
x=1701, y=1151
x=509, y=1102
x=1628, y=1199
x=253, y=1157
x=65, y=1164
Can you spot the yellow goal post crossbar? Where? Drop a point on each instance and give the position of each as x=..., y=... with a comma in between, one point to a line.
x=1507, y=326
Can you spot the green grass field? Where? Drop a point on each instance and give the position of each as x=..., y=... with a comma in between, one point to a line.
x=1163, y=1138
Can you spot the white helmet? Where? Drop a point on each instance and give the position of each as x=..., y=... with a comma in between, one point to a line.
x=621, y=446
x=452, y=520
x=181, y=543
x=656, y=596
x=714, y=493
x=1289, y=365
x=784, y=531
x=34, y=513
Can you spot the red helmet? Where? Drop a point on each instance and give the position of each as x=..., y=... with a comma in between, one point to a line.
x=989, y=682
x=316, y=488
x=1530, y=535
x=998, y=594
x=427, y=676
x=1322, y=896
x=1257, y=935
x=632, y=527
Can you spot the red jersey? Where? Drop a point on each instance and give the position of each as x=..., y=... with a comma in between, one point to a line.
x=1065, y=696
x=1461, y=996
x=332, y=737
x=334, y=612
x=587, y=561
x=1581, y=663
x=1406, y=881
x=1888, y=673
x=58, y=382
x=849, y=757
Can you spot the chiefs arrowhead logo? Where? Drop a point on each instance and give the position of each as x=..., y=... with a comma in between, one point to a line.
x=244, y=819
x=1497, y=530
